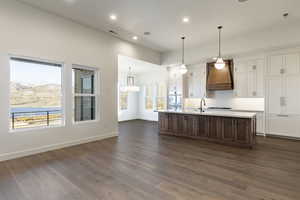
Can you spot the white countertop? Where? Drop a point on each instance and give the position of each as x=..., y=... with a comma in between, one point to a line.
x=246, y=110
x=211, y=113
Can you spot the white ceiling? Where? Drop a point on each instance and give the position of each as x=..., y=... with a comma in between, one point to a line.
x=163, y=18
x=138, y=67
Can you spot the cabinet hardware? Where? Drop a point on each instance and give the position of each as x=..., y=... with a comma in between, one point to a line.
x=254, y=67
x=282, y=71
x=254, y=93
x=282, y=101
x=281, y=115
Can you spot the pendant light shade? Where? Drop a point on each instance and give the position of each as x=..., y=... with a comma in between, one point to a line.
x=220, y=64
x=183, y=68
x=130, y=87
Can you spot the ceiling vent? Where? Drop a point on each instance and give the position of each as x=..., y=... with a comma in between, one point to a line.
x=113, y=32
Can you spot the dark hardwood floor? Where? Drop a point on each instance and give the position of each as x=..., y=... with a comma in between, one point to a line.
x=141, y=165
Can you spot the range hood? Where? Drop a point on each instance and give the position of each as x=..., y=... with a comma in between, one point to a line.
x=220, y=79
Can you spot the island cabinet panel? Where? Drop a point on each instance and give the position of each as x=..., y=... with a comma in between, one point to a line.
x=164, y=122
x=225, y=130
x=242, y=131
x=203, y=127
x=229, y=131
x=215, y=128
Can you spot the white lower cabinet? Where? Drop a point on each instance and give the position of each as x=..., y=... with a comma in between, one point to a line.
x=260, y=123
x=283, y=125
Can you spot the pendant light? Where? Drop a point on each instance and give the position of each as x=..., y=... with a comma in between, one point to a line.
x=220, y=64
x=183, y=68
x=130, y=87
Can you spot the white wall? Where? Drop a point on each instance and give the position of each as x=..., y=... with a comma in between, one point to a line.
x=30, y=32
x=132, y=112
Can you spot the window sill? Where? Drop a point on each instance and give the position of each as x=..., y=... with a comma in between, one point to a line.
x=24, y=130
x=86, y=122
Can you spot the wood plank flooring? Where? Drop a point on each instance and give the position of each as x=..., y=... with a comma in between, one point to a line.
x=141, y=165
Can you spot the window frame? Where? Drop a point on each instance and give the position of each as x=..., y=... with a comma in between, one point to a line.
x=165, y=97
x=127, y=101
x=96, y=93
x=63, y=91
x=152, y=86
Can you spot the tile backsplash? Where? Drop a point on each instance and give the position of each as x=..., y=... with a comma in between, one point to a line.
x=234, y=103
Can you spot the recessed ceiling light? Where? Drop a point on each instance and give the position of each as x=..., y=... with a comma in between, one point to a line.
x=135, y=38
x=70, y=1
x=113, y=17
x=185, y=20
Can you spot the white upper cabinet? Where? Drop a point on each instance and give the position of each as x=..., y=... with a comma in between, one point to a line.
x=284, y=64
x=292, y=64
x=249, y=78
x=196, y=80
x=275, y=65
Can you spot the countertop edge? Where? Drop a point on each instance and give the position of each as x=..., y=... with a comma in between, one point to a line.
x=249, y=115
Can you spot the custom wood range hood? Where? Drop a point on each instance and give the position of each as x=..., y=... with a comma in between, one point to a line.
x=220, y=79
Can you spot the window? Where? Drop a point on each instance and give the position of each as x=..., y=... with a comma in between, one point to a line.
x=35, y=93
x=123, y=100
x=85, y=95
x=149, y=97
x=175, y=100
x=161, y=96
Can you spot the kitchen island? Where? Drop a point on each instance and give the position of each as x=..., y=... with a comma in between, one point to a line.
x=224, y=127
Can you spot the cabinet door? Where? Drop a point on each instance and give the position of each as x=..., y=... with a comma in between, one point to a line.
x=203, y=127
x=252, y=75
x=291, y=95
x=241, y=85
x=275, y=65
x=274, y=88
x=284, y=125
x=228, y=129
x=193, y=125
x=260, y=69
x=163, y=122
x=215, y=128
x=292, y=64
x=196, y=82
x=242, y=131
x=173, y=124
x=260, y=123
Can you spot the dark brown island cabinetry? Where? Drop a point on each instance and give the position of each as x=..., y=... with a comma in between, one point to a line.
x=225, y=130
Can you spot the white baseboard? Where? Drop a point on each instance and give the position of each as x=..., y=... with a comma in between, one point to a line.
x=18, y=154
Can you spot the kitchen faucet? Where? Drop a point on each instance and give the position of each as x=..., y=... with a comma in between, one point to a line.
x=202, y=102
